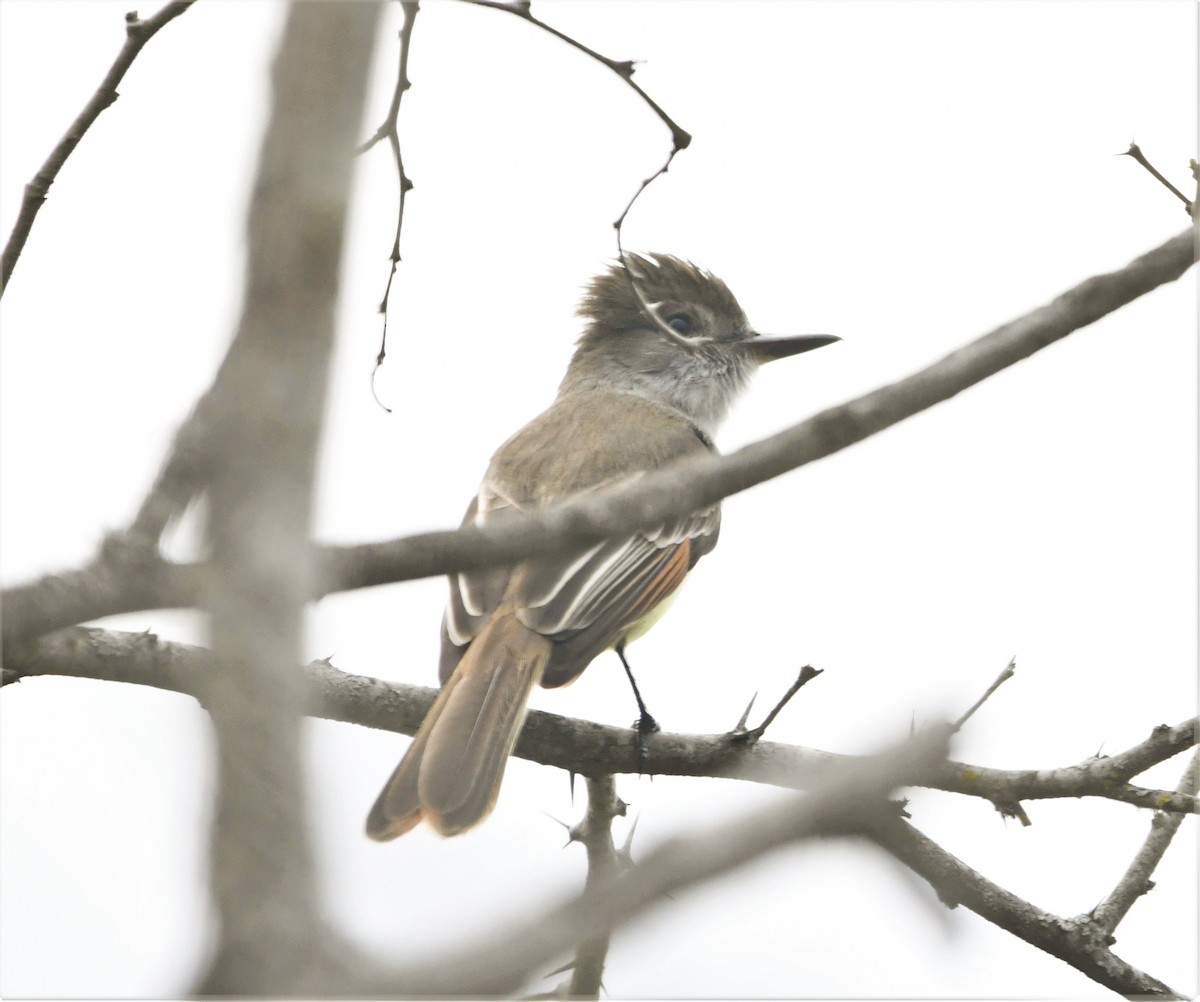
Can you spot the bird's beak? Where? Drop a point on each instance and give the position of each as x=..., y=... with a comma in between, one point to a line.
x=766, y=348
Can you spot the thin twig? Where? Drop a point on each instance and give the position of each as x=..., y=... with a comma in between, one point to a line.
x=807, y=674
x=137, y=34
x=679, y=137
x=1136, y=880
x=1135, y=151
x=1003, y=677
x=390, y=131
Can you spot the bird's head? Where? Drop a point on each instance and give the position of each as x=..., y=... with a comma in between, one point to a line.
x=671, y=332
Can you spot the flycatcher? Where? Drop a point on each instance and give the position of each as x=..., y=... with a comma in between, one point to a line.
x=639, y=393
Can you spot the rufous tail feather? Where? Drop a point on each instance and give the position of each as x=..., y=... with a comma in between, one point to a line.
x=450, y=776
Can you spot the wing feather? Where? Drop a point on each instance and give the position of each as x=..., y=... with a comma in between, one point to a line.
x=585, y=601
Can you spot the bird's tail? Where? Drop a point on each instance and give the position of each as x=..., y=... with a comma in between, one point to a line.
x=451, y=773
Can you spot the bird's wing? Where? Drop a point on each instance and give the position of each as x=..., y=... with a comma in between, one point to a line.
x=584, y=601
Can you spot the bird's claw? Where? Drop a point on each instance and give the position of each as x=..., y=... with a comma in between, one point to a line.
x=645, y=726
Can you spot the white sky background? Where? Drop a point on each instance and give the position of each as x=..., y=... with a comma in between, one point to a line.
x=905, y=175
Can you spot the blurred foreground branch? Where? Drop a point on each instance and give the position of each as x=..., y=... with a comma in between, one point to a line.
x=267, y=409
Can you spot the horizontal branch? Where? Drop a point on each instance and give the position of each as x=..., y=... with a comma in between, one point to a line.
x=1106, y=777
x=56, y=601
x=127, y=575
x=591, y=749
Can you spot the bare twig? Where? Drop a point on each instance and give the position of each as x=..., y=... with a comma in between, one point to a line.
x=1003, y=677
x=1135, y=151
x=1136, y=880
x=739, y=733
x=61, y=600
x=389, y=130
x=680, y=139
x=1007, y=808
x=137, y=34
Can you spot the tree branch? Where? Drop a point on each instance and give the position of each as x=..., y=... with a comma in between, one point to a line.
x=593, y=749
x=1095, y=777
x=1136, y=880
x=390, y=130
x=680, y=139
x=137, y=34
x=268, y=404
x=1075, y=941
x=1136, y=153
x=61, y=600
x=588, y=748
x=603, y=864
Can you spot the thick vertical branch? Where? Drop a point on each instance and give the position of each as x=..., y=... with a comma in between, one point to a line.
x=269, y=403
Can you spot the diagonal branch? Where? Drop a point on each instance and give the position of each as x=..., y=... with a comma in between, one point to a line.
x=1000, y=679
x=680, y=139
x=703, y=481
x=1136, y=153
x=61, y=600
x=1136, y=880
x=1074, y=941
x=137, y=34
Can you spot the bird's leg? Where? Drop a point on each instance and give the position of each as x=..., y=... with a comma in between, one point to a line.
x=646, y=724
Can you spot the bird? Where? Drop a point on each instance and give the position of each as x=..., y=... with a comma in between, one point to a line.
x=665, y=349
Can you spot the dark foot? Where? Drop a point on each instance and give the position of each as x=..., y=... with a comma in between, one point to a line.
x=645, y=726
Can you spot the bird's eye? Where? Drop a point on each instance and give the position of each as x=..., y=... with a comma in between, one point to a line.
x=680, y=323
